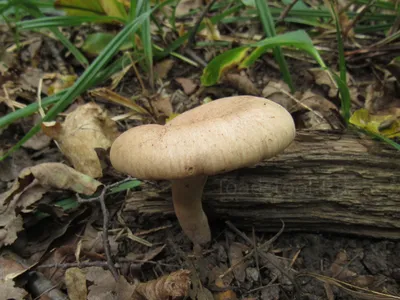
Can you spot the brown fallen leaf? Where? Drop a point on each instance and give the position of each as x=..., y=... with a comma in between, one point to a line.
x=318, y=107
x=85, y=129
x=162, y=68
x=379, y=99
x=242, y=83
x=186, y=6
x=75, y=280
x=223, y=283
x=322, y=77
x=10, y=291
x=236, y=258
x=111, y=96
x=104, y=286
x=339, y=268
x=30, y=186
x=8, y=267
x=189, y=87
x=274, y=91
x=172, y=285
x=38, y=142
x=92, y=240
x=162, y=106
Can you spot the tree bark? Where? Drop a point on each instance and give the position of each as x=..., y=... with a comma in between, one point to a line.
x=324, y=182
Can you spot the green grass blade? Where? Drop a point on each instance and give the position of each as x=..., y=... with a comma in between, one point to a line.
x=297, y=39
x=28, y=110
x=342, y=83
x=132, y=10
x=179, y=41
x=86, y=79
x=147, y=43
x=213, y=72
x=32, y=108
x=33, y=10
x=63, y=21
x=89, y=77
x=269, y=28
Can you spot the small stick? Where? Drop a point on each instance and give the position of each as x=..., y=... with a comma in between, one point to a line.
x=192, y=34
x=286, y=11
x=106, y=243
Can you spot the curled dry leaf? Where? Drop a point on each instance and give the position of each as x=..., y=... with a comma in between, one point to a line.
x=172, y=285
x=104, y=286
x=85, y=129
x=31, y=184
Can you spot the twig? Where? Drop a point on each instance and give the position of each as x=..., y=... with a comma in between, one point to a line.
x=286, y=11
x=103, y=264
x=192, y=34
x=263, y=251
x=357, y=18
x=106, y=243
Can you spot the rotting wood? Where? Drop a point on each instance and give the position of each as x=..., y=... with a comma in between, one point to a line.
x=324, y=182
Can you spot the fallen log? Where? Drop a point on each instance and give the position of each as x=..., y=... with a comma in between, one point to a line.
x=324, y=182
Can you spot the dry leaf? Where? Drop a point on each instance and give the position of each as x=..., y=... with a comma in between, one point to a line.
x=322, y=115
x=92, y=240
x=75, y=280
x=162, y=68
x=9, y=291
x=379, y=99
x=31, y=184
x=322, y=77
x=189, y=87
x=273, y=91
x=186, y=6
x=111, y=96
x=8, y=267
x=162, y=106
x=339, y=268
x=226, y=295
x=61, y=83
x=242, y=83
x=235, y=254
x=173, y=285
x=38, y=142
x=104, y=286
x=85, y=129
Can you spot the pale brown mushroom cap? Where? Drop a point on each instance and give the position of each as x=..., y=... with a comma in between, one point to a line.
x=216, y=137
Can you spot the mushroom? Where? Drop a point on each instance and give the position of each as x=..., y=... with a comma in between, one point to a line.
x=217, y=137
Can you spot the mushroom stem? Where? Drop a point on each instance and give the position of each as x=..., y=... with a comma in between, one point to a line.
x=186, y=196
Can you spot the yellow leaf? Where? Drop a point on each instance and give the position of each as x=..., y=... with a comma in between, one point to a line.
x=386, y=125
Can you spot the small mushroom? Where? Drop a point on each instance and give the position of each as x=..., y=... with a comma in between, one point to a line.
x=217, y=137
